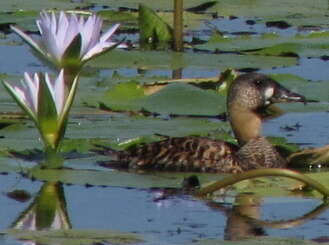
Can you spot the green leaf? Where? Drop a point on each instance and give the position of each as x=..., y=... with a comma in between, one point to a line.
x=152, y=28
x=110, y=177
x=296, y=12
x=191, y=100
x=172, y=60
x=261, y=240
x=185, y=99
x=75, y=237
x=312, y=44
x=31, y=5
x=123, y=96
x=115, y=16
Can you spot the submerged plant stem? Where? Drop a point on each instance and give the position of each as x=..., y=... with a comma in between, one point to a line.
x=53, y=158
x=235, y=178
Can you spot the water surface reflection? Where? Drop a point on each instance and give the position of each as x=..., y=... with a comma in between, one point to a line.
x=174, y=219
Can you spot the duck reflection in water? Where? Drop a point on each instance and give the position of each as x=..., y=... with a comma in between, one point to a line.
x=244, y=217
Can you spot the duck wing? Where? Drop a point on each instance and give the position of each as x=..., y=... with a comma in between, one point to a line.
x=199, y=154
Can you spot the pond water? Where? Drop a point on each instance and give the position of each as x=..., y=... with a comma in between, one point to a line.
x=150, y=212
x=174, y=220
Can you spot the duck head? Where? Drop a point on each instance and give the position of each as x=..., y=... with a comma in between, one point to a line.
x=255, y=91
x=247, y=96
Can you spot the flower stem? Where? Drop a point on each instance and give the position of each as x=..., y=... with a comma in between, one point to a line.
x=69, y=76
x=178, y=25
x=235, y=178
x=53, y=158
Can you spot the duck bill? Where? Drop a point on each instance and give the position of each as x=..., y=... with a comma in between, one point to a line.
x=284, y=95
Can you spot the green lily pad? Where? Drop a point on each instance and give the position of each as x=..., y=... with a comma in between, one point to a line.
x=313, y=44
x=19, y=5
x=264, y=187
x=115, y=129
x=171, y=60
x=179, y=99
x=298, y=12
x=123, y=96
x=24, y=18
x=117, y=16
x=75, y=237
x=310, y=89
x=158, y=5
x=262, y=240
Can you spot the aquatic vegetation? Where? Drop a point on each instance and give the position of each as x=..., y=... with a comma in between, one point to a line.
x=132, y=95
x=68, y=41
x=43, y=99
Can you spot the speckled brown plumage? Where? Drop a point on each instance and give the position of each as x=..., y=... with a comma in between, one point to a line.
x=183, y=154
x=247, y=96
x=202, y=154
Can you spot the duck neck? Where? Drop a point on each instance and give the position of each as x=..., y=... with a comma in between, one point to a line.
x=246, y=124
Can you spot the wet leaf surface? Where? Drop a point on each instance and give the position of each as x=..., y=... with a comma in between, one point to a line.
x=260, y=240
x=75, y=237
x=169, y=60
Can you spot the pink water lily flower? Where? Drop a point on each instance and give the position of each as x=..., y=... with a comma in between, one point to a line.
x=28, y=96
x=68, y=39
x=46, y=102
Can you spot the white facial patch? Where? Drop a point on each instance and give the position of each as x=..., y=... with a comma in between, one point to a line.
x=269, y=93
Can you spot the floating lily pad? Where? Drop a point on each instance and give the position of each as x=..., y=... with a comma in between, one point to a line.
x=22, y=18
x=174, y=99
x=158, y=5
x=262, y=240
x=75, y=237
x=116, y=16
x=313, y=44
x=265, y=187
x=171, y=60
x=22, y=5
x=298, y=12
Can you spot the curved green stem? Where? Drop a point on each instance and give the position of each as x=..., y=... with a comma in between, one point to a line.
x=285, y=224
x=235, y=178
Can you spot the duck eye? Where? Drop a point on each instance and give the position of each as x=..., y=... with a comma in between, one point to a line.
x=258, y=83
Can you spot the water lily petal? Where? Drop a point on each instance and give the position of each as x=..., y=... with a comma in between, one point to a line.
x=71, y=32
x=107, y=35
x=54, y=52
x=31, y=90
x=62, y=32
x=59, y=90
x=97, y=49
x=59, y=32
x=35, y=45
x=90, y=32
x=19, y=95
